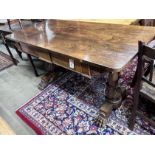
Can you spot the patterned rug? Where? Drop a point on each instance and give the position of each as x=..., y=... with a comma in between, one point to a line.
x=70, y=105
x=5, y=61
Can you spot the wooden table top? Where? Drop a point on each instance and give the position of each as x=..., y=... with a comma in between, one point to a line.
x=112, y=21
x=108, y=45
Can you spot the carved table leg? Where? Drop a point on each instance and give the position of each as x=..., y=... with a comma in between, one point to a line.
x=113, y=99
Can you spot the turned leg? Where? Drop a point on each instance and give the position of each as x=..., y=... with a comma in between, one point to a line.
x=113, y=99
x=113, y=92
x=132, y=119
x=134, y=79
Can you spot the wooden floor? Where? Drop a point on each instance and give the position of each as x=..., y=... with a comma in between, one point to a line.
x=5, y=128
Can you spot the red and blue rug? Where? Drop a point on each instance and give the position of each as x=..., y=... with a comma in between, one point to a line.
x=70, y=105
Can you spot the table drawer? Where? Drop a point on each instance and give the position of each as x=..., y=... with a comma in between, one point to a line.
x=29, y=49
x=71, y=64
x=44, y=56
x=39, y=53
x=60, y=60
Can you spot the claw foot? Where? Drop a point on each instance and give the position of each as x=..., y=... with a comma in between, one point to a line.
x=100, y=121
x=104, y=113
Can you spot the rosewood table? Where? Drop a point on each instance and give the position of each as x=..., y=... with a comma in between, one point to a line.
x=86, y=48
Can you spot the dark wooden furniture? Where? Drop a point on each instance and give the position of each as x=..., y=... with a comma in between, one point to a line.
x=144, y=86
x=10, y=27
x=8, y=49
x=10, y=22
x=5, y=30
x=147, y=22
x=86, y=48
x=18, y=46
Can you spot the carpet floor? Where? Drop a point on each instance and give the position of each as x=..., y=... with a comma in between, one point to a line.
x=5, y=61
x=72, y=102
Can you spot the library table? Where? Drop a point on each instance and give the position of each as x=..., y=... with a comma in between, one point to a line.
x=85, y=48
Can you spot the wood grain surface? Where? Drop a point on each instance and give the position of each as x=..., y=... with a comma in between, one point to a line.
x=107, y=45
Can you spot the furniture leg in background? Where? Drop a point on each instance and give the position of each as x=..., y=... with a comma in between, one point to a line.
x=34, y=68
x=8, y=49
x=14, y=21
x=19, y=53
